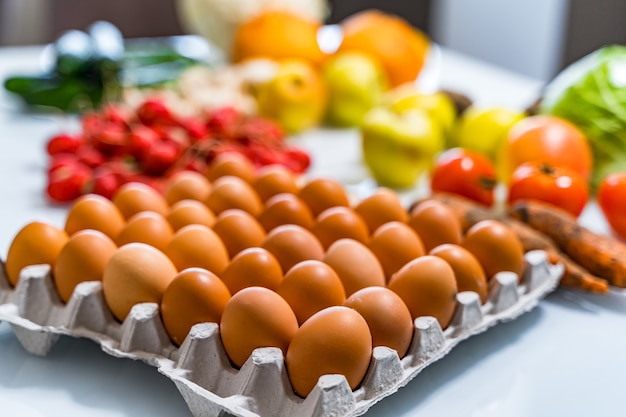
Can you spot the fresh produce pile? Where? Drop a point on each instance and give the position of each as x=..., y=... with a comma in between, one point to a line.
x=332, y=82
x=275, y=261
x=204, y=213
x=151, y=142
x=591, y=94
x=282, y=80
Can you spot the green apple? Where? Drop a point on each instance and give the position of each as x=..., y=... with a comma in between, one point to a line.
x=439, y=105
x=399, y=147
x=484, y=129
x=295, y=96
x=356, y=83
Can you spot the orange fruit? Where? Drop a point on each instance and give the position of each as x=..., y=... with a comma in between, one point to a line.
x=399, y=47
x=278, y=34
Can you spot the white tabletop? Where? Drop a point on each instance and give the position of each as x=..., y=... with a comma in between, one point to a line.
x=564, y=358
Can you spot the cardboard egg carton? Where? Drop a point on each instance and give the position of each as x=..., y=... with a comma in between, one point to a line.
x=200, y=367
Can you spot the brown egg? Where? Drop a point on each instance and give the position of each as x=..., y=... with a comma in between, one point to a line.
x=186, y=212
x=187, y=185
x=388, y=318
x=309, y=287
x=146, y=227
x=231, y=192
x=496, y=247
x=428, y=288
x=467, y=270
x=194, y=296
x=252, y=267
x=285, y=209
x=136, y=273
x=95, y=212
x=238, y=230
x=256, y=317
x=355, y=264
x=231, y=164
x=274, y=179
x=335, y=340
x=435, y=223
x=36, y=243
x=383, y=206
x=291, y=244
x=83, y=258
x=395, y=244
x=135, y=197
x=322, y=193
x=338, y=223
x=197, y=246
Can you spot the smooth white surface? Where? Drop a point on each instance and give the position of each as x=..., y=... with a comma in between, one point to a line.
x=565, y=358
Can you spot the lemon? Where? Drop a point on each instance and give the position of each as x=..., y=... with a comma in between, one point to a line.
x=484, y=129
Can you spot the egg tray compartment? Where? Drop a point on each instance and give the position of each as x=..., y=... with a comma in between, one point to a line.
x=201, y=370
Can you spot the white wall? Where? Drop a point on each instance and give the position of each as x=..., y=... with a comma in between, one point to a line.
x=524, y=36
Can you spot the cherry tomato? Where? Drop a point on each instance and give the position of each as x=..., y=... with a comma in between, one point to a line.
x=105, y=182
x=140, y=140
x=154, y=111
x=611, y=198
x=549, y=139
x=67, y=182
x=64, y=143
x=160, y=157
x=466, y=173
x=559, y=186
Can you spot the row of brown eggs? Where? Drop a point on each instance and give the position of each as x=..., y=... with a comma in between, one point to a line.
x=273, y=262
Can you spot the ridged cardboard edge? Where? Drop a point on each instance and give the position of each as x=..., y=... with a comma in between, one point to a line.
x=39, y=318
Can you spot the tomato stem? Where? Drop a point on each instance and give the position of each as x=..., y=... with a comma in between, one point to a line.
x=546, y=169
x=487, y=183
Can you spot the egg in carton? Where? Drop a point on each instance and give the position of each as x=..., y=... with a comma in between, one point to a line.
x=205, y=377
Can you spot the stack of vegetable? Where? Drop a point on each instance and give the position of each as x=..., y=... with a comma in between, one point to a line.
x=591, y=93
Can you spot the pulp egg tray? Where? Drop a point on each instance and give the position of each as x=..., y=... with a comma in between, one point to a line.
x=211, y=386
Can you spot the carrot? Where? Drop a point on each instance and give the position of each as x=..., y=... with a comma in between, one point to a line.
x=574, y=276
x=599, y=254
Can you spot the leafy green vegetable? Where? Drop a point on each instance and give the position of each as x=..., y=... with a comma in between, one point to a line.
x=92, y=67
x=591, y=93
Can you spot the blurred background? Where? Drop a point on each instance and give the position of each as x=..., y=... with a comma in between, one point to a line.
x=536, y=38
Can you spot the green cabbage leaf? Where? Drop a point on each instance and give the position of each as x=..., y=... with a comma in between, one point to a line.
x=591, y=93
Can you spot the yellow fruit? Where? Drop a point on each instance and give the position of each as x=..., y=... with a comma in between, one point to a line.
x=278, y=34
x=484, y=129
x=437, y=105
x=356, y=83
x=399, y=47
x=295, y=97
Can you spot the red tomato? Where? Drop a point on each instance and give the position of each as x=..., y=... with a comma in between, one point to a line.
x=559, y=186
x=67, y=182
x=611, y=198
x=465, y=173
x=549, y=139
